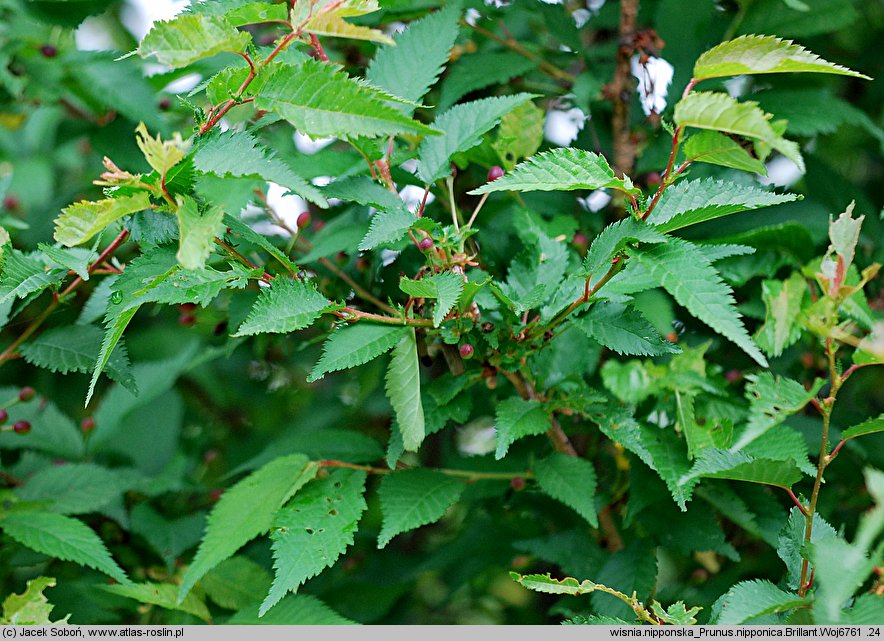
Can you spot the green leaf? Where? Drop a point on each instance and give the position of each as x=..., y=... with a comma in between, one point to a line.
x=624, y=329
x=871, y=426
x=62, y=537
x=412, y=498
x=613, y=239
x=240, y=13
x=240, y=154
x=783, y=302
x=479, y=70
x=463, y=126
x=286, y=306
x=76, y=488
x=31, y=607
x=321, y=101
x=561, y=169
x=763, y=54
x=737, y=466
x=791, y=541
x=74, y=259
x=548, y=585
x=681, y=269
x=81, y=221
x=748, y=600
x=245, y=511
x=116, y=322
x=238, y=227
x=163, y=595
x=446, y=287
x=697, y=201
x=160, y=154
x=428, y=40
x=313, y=530
x=190, y=37
x=197, y=232
x=23, y=276
x=520, y=134
x=719, y=112
x=569, y=480
x=295, y=609
x=169, y=538
x=387, y=227
x=404, y=390
x=331, y=23
x=717, y=149
x=355, y=345
x=771, y=400
x=236, y=583
x=518, y=418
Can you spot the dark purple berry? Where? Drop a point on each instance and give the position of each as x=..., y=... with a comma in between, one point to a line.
x=426, y=244
x=494, y=173
x=10, y=203
x=87, y=425
x=3, y=416
x=303, y=219
x=165, y=104
x=26, y=394
x=48, y=51
x=21, y=427
x=466, y=350
x=187, y=320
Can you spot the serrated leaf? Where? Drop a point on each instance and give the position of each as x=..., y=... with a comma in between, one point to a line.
x=613, y=239
x=75, y=259
x=241, y=12
x=245, y=511
x=681, y=269
x=387, y=227
x=197, y=232
x=390, y=223
x=783, y=302
x=163, y=595
x=561, y=169
x=294, y=609
x=479, y=70
x=313, y=530
x=517, y=418
x=31, y=607
x=62, y=537
x=719, y=112
x=624, y=329
x=717, y=149
x=115, y=323
x=738, y=466
x=330, y=24
x=763, y=54
x=462, y=127
x=412, y=498
x=23, y=275
x=236, y=583
x=240, y=154
x=160, y=154
x=429, y=40
x=569, y=480
x=404, y=390
x=844, y=235
x=782, y=443
x=696, y=201
x=76, y=488
x=191, y=37
x=750, y=599
x=791, y=541
x=238, y=227
x=355, y=345
x=871, y=426
x=446, y=287
x=675, y=614
x=321, y=101
x=81, y=221
x=771, y=400
x=286, y=306
x=520, y=134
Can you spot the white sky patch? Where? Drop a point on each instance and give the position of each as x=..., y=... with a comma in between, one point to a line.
x=497, y=3
x=561, y=127
x=477, y=438
x=139, y=15
x=654, y=78
x=781, y=172
x=92, y=35
x=306, y=145
x=184, y=83
x=472, y=17
x=412, y=195
x=737, y=86
x=595, y=201
x=286, y=205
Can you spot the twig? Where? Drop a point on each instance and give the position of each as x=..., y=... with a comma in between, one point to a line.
x=620, y=88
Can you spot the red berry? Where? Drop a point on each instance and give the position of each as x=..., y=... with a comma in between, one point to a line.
x=466, y=350
x=518, y=483
x=654, y=179
x=494, y=173
x=580, y=240
x=733, y=375
x=672, y=337
x=215, y=495
x=87, y=425
x=21, y=427
x=186, y=307
x=361, y=264
x=165, y=104
x=303, y=219
x=186, y=320
x=10, y=203
x=3, y=416
x=26, y=394
x=48, y=51
x=425, y=244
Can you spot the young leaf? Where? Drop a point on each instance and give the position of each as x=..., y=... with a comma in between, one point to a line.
x=191, y=37
x=446, y=287
x=751, y=599
x=696, y=201
x=404, y=390
x=518, y=418
x=561, y=169
x=681, y=269
x=462, y=126
x=286, y=306
x=791, y=541
x=737, y=466
x=771, y=400
x=76, y=259
x=412, y=498
x=331, y=23
x=321, y=101
x=717, y=149
x=245, y=511
x=197, y=232
x=160, y=154
x=624, y=330
x=313, y=530
x=520, y=134
x=613, y=239
x=355, y=345
x=569, y=480
x=548, y=585
x=240, y=13
x=428, y=40
x=871, y=426
x=62, y=537
x=783, y=302
x=31, y=607
x=81, y=221
x=763, y=54
x=163, y=595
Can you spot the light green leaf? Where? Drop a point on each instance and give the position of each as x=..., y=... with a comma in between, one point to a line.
x=31, y=607
x=286, y=306
x=844, y=234
x=161, y=154
x=463, y=126
x=74, y=259
x=236, y=583
x=569, y=480
x=548, y=585
x=23, y=276
x=717, y=149
x=321, y=101
x=771, y=400
x=751, y=599
x=412, y=498
x=387, y=227
x=675, y=614
x=518, y=418
x=313, y=530
x=245, y=511
x=240, y=13
x=763, y=54
x=197, y=232
x=163, y=595
x=520, y=134
x=561, y=169
x=355, y=345
x=613, y=239
x=81, y=221
x=681, y=269
x=871, y=426
x=191, y=37
x=404, y=390
x=791, y=541
x=783, y=302
x=737, y=466
x=62, y=537
x=624, y=329
x=331, y=24
x=446, y=287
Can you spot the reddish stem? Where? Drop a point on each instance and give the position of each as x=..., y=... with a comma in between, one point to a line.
x=796, y=501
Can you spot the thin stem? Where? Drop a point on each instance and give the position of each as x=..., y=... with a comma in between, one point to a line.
x=477, y=210
x=796, y=501
x=450, y=182
x=351, y=314
x=356, y=287
x=317, y=47
x=470, y=475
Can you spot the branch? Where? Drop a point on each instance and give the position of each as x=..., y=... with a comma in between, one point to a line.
x=621, y=87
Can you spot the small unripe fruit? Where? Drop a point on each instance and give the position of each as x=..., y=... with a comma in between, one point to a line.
x=10, y=203
x=26, y=394
x=87, y=425
x=186, y=307
x=672, y=337
x=654, y=179
x=303, y=219
x=466, y=350
x=3, y=416
x=494, y=173
x=48, y=51
x=491, y=382
x=580, y=240
x=215, y=495
x=21, y=427
x=733, y=375
x=187, y=320
x=165, y=104
x=518, y=484
x=210, y=456
x=426, y=244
